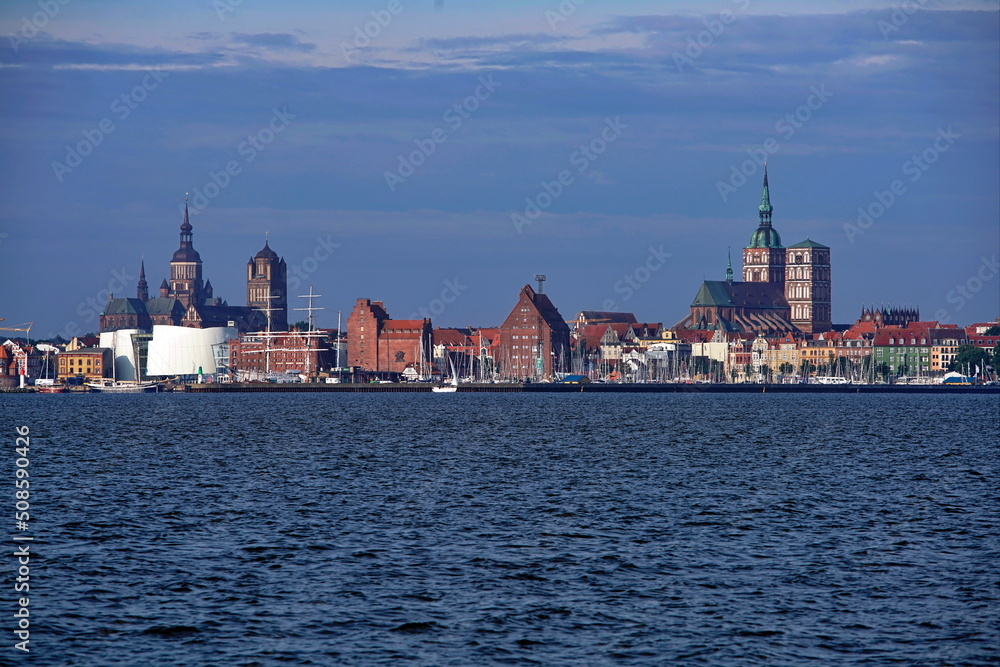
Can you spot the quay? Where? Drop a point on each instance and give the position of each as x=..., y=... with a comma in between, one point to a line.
x=595, y=387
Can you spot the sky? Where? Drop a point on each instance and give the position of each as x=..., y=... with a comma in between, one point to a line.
x=437, y=154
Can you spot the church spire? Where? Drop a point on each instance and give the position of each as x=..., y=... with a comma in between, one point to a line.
x=142, y=288
x=729, y=267
x=765, y=207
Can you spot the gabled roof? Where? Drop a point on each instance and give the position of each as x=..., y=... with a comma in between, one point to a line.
x=167, y=306
x=542, y=305
x=721, y=293
x=123, y=306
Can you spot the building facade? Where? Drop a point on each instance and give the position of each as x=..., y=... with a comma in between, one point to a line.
x=188, y=300
x=267, y=286
x=377, y=343
x=534, y=339
x=783, y=289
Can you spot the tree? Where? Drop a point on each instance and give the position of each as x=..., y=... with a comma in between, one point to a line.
x=967, y=357
x=786, y=368
x=301, y=325
x=883, y=370
x=993, y=331
x=995, y=361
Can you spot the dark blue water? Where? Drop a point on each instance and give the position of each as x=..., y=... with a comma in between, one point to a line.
x=462, y=529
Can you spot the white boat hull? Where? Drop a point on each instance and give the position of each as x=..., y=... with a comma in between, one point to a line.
x=123, y=387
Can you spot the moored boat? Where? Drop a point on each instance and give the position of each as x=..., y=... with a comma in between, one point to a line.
x=114, y=387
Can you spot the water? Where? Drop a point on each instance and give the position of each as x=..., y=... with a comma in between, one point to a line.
x=469, y=529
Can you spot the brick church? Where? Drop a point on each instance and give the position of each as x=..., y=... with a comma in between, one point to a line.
x=188, y=299
x=783, y=289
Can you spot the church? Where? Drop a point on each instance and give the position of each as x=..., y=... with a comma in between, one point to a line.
x=188, y=299
x=783, y=289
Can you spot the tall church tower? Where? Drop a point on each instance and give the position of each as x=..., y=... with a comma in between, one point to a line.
x=185, y=268
x=142, y=287
x=764, y=258
x=267, y=286
x=807, y=286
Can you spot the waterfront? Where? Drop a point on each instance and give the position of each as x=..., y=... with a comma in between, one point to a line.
x=514, y=528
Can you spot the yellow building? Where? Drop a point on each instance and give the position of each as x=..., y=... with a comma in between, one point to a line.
x=944, y=346
x=89, y=363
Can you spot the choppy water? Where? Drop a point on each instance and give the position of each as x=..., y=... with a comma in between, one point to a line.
x=469, y=529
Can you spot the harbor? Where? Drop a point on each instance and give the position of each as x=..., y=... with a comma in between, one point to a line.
x=596, y=388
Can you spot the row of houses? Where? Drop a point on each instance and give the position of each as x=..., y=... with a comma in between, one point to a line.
x=533, y=343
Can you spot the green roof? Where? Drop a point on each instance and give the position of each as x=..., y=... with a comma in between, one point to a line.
x=809, y=244
x=765, y=236
x=121, y=306
x=713, y=293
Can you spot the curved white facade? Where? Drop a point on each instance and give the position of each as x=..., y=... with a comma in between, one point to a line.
x=124, y=352
x=185, y=351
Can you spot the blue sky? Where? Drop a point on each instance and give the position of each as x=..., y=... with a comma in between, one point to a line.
x=348, y=149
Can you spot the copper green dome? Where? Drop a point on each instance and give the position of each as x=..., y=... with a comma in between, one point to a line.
x=765, y=236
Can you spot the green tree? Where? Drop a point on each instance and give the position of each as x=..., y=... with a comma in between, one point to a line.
x=786, y=368
x=301, y=325
x=967, y=357
x=995, y=361
x=882, y=369
x=993, y=330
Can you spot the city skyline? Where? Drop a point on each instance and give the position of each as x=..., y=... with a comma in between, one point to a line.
x=572, y=143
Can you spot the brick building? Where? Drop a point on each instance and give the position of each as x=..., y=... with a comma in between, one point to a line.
x=376, y=342
x=253, y=355
x=534, y=339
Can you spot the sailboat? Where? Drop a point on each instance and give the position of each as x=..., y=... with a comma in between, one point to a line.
x=448, y=388
x=113, y=386
x=45, y=384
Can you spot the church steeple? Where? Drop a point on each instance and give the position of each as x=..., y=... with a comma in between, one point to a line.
x=185, y=268
x=765, y=207
x=764, y=257
x=729, y=267
x=142, y=288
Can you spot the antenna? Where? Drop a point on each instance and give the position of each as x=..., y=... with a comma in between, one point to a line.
x=541, y=280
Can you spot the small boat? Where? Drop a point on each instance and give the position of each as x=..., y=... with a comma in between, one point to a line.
x=51, y=388
x=448, y=388
x=114, y=387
